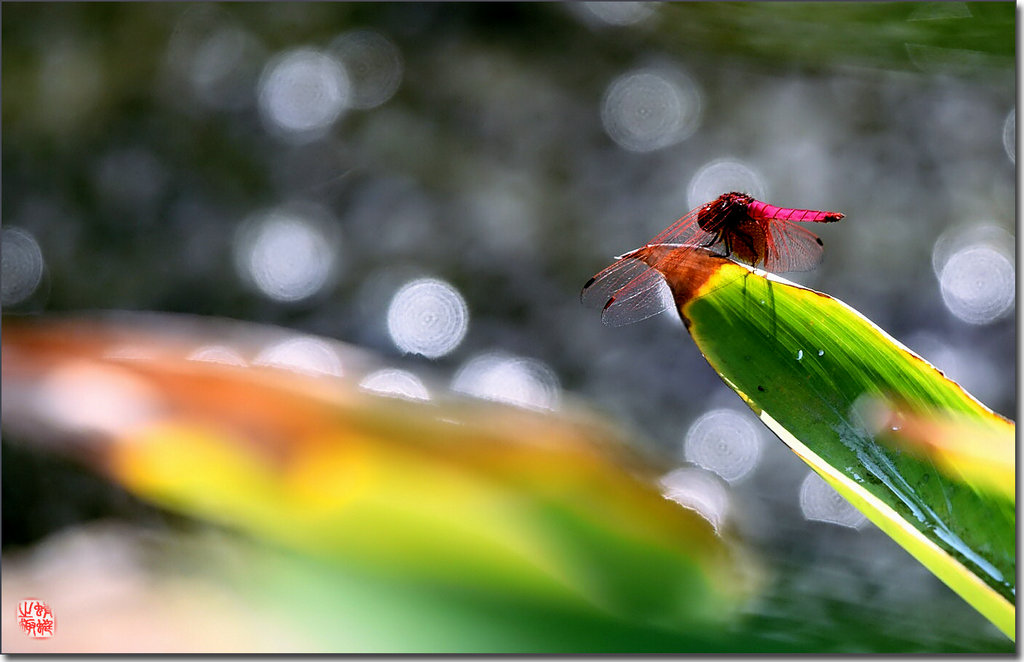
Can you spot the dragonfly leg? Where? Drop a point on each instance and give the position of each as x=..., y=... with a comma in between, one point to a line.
x=727, y=242
x=714, y=239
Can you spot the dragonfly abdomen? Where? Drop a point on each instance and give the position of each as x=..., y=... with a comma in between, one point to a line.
x=767, y=211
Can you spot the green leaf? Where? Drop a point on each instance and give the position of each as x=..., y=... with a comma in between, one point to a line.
x=814, y=370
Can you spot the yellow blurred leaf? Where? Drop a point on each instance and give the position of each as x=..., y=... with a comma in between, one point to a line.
x=554, y=508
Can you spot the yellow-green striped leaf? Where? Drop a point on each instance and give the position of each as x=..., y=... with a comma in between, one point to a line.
x=818, y=373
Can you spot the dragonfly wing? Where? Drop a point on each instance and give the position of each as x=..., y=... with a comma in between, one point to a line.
x=649, y=297
x=684, y=231
x=600, y=289
x=792, y=248
x=628, y=291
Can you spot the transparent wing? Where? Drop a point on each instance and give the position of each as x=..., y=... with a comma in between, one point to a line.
x=791, y=248
x=684, y=231
x=628, y=291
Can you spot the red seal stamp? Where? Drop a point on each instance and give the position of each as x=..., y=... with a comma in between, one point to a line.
x=36, y=618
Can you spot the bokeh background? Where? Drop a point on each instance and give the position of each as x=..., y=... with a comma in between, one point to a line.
x=435, y=182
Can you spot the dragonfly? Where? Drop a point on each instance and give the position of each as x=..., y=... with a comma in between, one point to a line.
x=734, y=225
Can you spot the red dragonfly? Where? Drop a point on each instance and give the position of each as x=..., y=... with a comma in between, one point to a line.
x=734, y=225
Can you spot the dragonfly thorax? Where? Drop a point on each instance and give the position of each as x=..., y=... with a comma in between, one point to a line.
x=729, y=210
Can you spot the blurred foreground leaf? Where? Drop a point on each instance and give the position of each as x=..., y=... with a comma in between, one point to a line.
x=386, y=524
x=814, y=369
